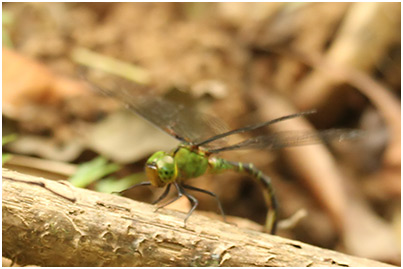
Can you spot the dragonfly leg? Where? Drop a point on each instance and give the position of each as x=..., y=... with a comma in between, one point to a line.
x=193, y=201
x=209, y=193
x=144, y=183
x=163, y=195
x=180, y=194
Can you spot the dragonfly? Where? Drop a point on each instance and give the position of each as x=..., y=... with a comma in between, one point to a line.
x=196, y=153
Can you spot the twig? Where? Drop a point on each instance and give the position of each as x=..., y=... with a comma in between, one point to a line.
x=106, y=230
x=111, y=65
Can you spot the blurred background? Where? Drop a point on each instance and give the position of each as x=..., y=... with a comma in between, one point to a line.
x=244, y=63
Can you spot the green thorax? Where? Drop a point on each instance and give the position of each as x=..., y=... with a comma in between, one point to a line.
x=190, y=163
x=194, y=163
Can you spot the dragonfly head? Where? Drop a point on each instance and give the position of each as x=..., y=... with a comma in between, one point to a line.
x=161, y=169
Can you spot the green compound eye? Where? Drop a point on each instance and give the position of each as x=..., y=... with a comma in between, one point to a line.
x=166, y=173
x=166, y=168
x=161, y=169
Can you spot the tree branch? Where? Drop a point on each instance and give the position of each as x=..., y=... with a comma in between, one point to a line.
x=79, y=227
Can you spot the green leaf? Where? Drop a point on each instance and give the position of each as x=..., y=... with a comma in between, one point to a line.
x=5, y=157
x=7, y=20
x=93, y=170
x=8, y=138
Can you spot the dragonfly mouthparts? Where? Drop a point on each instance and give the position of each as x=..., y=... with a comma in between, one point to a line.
x=152, y=165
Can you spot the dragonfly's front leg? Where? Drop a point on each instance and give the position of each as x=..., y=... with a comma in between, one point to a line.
x=180, y=194
x=181, y=191
x=163, y=195
x=144, y=183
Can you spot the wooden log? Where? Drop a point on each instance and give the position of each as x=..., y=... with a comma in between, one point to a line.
x=51, y=223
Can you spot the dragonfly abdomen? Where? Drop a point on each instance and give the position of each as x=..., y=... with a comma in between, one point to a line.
x=218, y=165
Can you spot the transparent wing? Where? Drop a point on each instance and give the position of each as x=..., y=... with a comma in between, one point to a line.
x=293, y=138
x=179, y=120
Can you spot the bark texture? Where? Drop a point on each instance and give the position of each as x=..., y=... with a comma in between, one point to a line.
x=51, y=223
